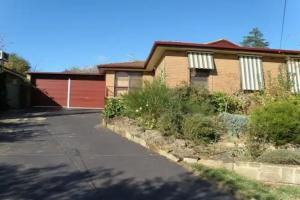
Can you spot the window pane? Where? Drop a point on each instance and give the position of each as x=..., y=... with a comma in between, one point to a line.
x=136, y=80
x=122, y=79
x=199, y=77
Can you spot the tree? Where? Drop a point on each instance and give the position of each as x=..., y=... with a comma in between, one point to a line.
x=17, y=64
x=73, y=69
x=255, y=39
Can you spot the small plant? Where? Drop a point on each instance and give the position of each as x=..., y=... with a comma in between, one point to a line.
x=277, y=123
x=280, y=156
x=113, y=107
x=200, y=128
x=234, y=124
x=146, y=105
x=279, y=88
x=170, y=123
x=226, y=103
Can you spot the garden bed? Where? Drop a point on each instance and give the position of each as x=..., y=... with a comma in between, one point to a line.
x=184, y=151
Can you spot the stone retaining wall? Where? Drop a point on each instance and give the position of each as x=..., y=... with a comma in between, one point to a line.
x=284, y=174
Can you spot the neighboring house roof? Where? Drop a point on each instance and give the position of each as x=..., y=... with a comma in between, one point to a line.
x=222, y=43
x=87, y=70
x=130, y=65
x=64, y=73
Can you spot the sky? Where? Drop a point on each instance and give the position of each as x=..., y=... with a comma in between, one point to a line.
x=54, y=35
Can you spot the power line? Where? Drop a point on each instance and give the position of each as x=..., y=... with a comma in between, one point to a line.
x=282, y=23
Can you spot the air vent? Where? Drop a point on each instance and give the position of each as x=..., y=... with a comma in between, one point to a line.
x=4, y=56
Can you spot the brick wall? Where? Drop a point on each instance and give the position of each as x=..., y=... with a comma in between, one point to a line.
x=226, y=77
x=176, y=68
x=110, y=83
x=271, y=68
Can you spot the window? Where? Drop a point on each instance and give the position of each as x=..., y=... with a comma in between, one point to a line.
x=199, y=77
x=294, y=74
x=251, y=73
x=127, y=81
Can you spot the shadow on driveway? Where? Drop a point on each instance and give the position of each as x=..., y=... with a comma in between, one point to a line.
x=56, y=183
x=45, y=112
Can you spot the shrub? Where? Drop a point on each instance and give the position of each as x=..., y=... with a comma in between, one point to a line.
x=281, y=156
x=277, y=123
x=170, y=123
x=193, y=99
x=113, y=107
x=234, y=124
x=226, y=103
x=146, y=105
x=200, y=128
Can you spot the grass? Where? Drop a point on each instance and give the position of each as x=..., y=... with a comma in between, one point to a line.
x=244, y=188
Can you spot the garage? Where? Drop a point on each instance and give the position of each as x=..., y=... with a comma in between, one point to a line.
x=67, y=90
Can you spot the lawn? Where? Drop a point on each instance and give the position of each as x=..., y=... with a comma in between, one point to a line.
x=244, y=188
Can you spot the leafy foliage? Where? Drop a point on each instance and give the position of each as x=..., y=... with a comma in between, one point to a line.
x=170, y=123
x=255, y=39
x=17, y=64
x=226, y=103
x=234, y=124
x=277, y=123
x=193, y=99
x=280, y=156
x=146, y=105
x=113, y=107
x=200, y=128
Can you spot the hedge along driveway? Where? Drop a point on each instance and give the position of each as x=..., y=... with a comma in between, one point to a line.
x=66, y=157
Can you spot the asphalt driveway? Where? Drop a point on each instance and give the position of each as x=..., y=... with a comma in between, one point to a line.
x=64, y=155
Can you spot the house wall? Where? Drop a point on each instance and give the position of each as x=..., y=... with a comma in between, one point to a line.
x=271, y=68
x=225, y=78
x=110, y=81
x=176, y=68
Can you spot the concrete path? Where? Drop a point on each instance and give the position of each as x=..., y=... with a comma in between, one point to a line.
x=63, y=155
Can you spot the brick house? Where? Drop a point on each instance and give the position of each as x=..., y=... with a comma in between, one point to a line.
x=219, y=66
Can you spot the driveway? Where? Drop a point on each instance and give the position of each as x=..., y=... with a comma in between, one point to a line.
x=59, y=154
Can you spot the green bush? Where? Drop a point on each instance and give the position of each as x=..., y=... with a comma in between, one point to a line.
x=226, y=103
x=170, y=123
x=146, y=105
x=277, y=123
x=113, y=107
x=193, y=99
x=234, y=124
x=200, y=128
x=281, y=156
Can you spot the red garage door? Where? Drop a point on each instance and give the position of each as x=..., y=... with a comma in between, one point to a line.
x=87, y=93
x=50, y=92
x=68, y=90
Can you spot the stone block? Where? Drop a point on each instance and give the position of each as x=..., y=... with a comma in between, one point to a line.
x=190, y=160
x=228, y=165
x=254, y=164
x=287, y=175
x=169, y=156
x=211, y=163
x=297, y=176
x=270, y=173
x=250, y=172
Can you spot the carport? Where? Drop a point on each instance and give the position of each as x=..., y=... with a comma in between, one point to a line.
x=68, y=90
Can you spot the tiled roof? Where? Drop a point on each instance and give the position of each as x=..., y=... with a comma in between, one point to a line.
x=133, y=65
